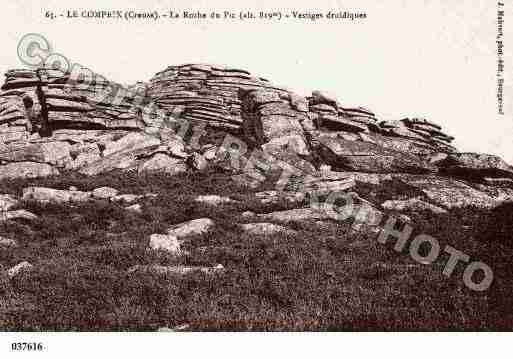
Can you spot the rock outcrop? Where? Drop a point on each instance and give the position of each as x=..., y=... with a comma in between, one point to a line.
x=53, y=122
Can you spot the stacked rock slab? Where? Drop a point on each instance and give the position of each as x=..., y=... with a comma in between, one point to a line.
x=328, y=115
x=205, y=93
x=48, y=121
x=64, y=102
x=13, y=118
x=419, y=129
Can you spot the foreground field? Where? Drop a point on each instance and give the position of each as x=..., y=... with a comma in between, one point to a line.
x=317, y=276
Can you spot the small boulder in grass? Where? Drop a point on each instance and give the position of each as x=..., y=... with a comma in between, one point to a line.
x=7, y=242
x=248, y=214
x=19, y=214
x=176, y=270
x=135, y=208
x=165, y=242
x=19, y=268
x=126, y=198
x=190, y=228
x=162, y=163
x=412, y=204
x=105, y=193
x=213, y=199
x=264, y=228
x=51, y=195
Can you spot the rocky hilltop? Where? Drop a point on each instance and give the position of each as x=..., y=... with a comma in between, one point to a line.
x=198, y=201
x=51, y=123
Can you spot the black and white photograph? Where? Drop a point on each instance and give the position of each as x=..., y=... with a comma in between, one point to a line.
x=177, y=170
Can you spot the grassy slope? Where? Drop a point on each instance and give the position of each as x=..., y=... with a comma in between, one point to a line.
x=320, y=279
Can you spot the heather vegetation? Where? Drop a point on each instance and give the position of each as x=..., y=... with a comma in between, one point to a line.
x=323, y=277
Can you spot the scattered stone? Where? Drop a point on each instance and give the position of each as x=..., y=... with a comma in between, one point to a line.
x=6, y=242
x=412, y=204
x=19, y=268
x=165, y=242
x=50, y=195
x=26, y=170
x=19, y=214
x=213, y=199
x=126, y=198
x=180, y=269
x=295, y=215
x=164, y=164
x=274, y=197
x=193, y=227
x=265, y=229
x=248, y=214
x=136, y=208
x=105, y=193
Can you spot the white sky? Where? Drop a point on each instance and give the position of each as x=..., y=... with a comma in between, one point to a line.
x=430, y=58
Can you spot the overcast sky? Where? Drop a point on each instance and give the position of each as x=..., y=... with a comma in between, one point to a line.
x=434, y=59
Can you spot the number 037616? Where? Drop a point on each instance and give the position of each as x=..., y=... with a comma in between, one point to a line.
x=27, y=346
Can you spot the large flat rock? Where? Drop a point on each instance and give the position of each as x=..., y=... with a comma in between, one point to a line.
x=23, y=170
x=450, y=193
x=368, y=157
